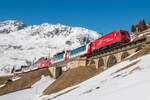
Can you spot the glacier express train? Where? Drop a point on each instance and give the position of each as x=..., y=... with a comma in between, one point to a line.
x=113, y=39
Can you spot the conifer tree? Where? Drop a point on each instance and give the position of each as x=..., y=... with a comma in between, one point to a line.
x=133, y=29
x=142, y=25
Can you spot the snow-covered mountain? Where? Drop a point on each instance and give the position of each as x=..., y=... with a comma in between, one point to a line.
x=20, y=43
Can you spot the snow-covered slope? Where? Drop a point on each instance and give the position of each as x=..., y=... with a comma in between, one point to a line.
x=20, y=43
x=128, y=80
x=30, y=94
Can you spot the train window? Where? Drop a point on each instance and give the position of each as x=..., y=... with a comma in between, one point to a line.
x=47, y=61
x=27, y=68
x=123, y=33
x=117, y=34
x=58, y=57
x=78, y=50
x=128, y=34
x=18, y=70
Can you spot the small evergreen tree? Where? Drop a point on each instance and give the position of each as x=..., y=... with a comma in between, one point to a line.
x=142, y=25
x=133, y=29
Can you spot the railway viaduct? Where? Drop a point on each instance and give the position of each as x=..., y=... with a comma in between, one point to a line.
x=103, y=60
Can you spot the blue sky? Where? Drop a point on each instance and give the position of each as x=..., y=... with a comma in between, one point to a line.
x=103, y=16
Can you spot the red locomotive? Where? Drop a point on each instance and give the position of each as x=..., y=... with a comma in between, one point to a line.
x=113, y=39
x=110, y=40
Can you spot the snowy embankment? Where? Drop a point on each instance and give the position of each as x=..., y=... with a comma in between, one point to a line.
x=30, y=93
x=128, y=80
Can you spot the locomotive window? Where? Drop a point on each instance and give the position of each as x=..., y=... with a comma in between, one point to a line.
x=94, y=44
x=123, y=33
x=117, y=34
x=47, y=61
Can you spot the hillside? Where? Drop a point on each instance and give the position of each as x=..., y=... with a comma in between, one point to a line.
x=22, y=81
x=128, y=80
x=74, y=76
x=21, y=44
x=32, y=93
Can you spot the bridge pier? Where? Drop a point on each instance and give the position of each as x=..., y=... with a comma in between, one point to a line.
x=105, y=59
x=55, y=71
x=96, y=63
x=118, y=56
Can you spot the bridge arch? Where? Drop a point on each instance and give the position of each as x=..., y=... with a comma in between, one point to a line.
x=92, y=61
x=111, y=61
x=124, y=55
x=100, y=62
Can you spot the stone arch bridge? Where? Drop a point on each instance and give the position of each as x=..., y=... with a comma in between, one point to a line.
x=102, y=61
x=109, y=60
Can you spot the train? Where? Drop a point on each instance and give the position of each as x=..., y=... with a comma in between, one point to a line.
x=110, y=40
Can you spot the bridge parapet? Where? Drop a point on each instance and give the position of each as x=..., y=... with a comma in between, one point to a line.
x=76, y=63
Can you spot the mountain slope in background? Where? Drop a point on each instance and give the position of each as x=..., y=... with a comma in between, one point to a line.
x=20, y=43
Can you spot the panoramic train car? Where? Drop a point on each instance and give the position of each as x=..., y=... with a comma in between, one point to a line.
x=18, y=71
x=81, y=51
x=58, y=57
x=111, y=39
